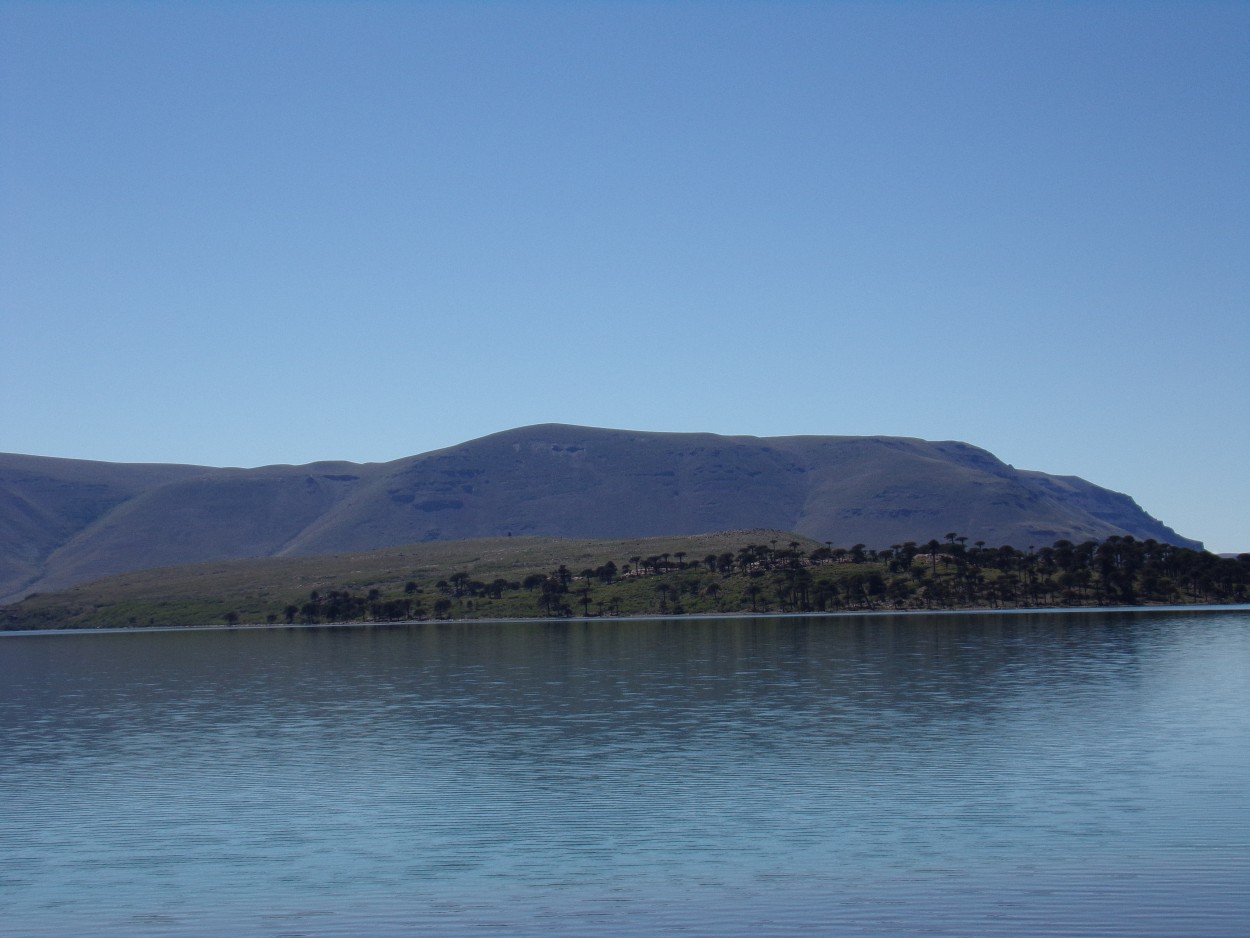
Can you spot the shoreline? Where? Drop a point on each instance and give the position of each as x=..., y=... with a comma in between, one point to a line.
x=844, y=614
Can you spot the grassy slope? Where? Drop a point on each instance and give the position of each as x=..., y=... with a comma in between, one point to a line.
x=202, y=594
x=404, y=582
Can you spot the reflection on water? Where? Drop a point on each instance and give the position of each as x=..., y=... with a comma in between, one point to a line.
x=970, y=774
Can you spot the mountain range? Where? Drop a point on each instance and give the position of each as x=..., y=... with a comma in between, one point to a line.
x=65, y=521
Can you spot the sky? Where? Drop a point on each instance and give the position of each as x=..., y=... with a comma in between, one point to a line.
x=238, y=234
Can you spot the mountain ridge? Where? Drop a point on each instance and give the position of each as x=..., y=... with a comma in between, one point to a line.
x=67, y=521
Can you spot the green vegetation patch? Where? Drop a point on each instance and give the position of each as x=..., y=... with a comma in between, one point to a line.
x=733, y=572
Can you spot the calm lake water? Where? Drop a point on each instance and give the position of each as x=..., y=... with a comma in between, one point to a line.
x=990, y=774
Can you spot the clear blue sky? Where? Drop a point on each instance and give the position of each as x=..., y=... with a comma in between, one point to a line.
x=250, y=233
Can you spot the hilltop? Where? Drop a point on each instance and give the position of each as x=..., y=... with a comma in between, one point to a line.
x=64, y=522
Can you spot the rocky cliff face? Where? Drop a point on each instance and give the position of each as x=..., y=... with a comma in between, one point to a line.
x=66, y=521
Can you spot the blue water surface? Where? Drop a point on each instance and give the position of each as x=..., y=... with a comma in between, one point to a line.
x=981, y=774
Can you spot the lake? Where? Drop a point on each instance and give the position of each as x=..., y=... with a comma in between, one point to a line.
x=1064, y=773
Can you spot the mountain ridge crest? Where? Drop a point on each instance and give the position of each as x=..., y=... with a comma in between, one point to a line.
x=65, y=521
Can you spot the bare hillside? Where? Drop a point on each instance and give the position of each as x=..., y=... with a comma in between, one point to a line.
x=65, y=521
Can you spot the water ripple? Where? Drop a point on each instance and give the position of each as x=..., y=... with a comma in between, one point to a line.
x=981, y=775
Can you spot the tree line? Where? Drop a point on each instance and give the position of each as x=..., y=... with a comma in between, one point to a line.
x=942, y=573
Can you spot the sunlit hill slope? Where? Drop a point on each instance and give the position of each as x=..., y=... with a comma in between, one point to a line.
x=67, y=521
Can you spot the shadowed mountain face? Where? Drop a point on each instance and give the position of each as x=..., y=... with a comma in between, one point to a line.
x=67, y=521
